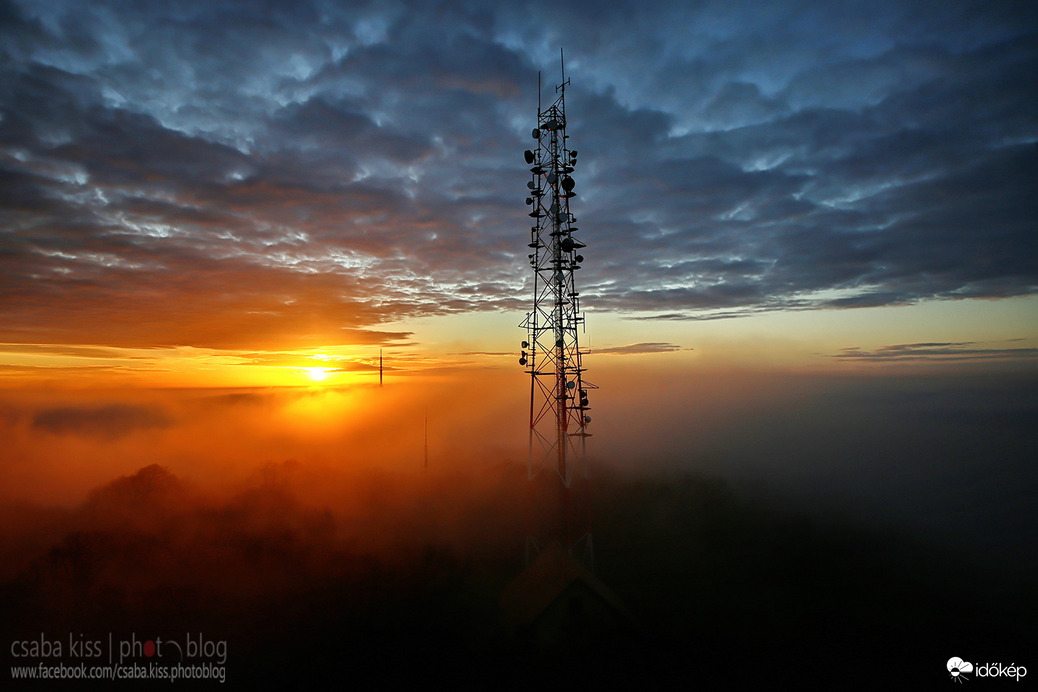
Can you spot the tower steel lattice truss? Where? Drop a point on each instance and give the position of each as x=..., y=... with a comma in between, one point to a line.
x=551, y=352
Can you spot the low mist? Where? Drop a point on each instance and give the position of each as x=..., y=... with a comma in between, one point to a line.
x=326, y=539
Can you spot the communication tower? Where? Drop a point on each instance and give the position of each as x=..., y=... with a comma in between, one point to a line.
x=551, y=352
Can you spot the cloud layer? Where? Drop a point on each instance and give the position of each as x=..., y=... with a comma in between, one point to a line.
x=233, y=175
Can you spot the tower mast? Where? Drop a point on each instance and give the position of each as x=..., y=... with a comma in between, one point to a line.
x=551, y=352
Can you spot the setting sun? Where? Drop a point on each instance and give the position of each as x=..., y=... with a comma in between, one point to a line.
x=317, y=374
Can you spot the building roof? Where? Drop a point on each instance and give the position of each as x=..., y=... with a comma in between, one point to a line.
x=547, y=578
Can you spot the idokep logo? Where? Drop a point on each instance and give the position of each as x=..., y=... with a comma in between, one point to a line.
x=958, y=668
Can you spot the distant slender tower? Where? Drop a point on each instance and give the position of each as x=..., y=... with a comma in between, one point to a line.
x=551, y=352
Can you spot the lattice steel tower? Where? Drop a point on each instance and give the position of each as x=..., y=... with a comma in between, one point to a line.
x=551, y=352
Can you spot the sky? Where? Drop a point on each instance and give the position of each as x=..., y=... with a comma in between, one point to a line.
x=235, y=183
x=253, y=196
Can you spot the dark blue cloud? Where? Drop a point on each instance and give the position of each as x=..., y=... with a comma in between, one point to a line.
x=940, y=352
x=111, y=421
x=341, y=165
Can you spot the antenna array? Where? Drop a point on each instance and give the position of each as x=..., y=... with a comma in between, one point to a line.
x=551, y=352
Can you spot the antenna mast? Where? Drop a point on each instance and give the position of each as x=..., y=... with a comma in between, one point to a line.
x=551, y=353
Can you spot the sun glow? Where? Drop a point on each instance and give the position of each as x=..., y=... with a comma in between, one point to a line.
x=317, y=374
